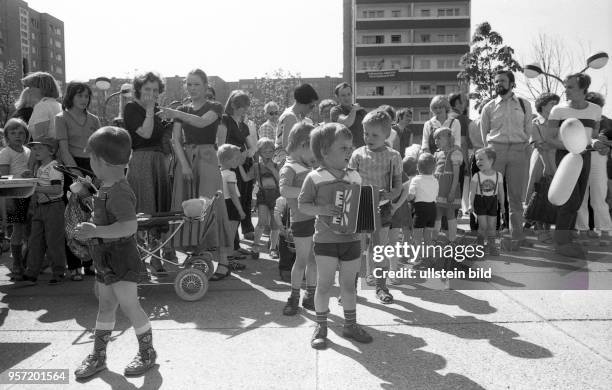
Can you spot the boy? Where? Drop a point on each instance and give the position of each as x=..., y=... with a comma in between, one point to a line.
x=332, y=145
x=113, y=248
x=381, y=166
x=424, y=191
x=285, y=254
x=47, y=232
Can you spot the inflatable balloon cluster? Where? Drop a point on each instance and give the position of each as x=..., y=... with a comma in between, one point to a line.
x=575, y=139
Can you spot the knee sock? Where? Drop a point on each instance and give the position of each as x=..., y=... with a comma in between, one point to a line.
x=381, y=283
x=350, y=317
x=102, y=336
x=310, y=291
x=145, y=338
x=322, y=319
x=295, y=293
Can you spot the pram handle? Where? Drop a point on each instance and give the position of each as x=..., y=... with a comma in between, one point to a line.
x=67, y=171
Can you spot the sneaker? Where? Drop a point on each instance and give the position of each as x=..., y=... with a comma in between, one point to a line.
x=292, y=307
x=58, y=279
x=141, y=362
x=371, y=280
x=356, y=333
x=308, y=303
x=91, y=365
x=319, y=338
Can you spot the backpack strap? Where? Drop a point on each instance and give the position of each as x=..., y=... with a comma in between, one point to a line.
x=496, y=182
x=522, y=103
x=479, y=183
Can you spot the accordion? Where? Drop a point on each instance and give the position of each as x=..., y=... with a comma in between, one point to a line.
x=359, y=209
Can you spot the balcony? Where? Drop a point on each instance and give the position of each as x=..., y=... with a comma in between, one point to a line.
x=392, y=23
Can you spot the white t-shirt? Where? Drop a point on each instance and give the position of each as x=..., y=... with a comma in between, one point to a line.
x=589, y=116
x=487, y=183
x=229, y=180
x=46, y=174
x=17, y=162
x=44, y=111
x=424, y=187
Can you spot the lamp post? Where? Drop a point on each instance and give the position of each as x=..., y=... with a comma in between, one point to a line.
x=596, y=61
x=104, y=84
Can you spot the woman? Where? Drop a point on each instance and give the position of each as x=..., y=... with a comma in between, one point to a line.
x=439, y=107
x=41, y=123
x=147, y=170
x=268, y=128
x=237, y=133
x=73, y=126
x=197, y=167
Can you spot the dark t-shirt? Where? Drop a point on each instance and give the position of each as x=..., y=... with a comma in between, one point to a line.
x=120, y=204
x=356, y=128
x=134, y=116
x=237, y=133
x=202, y=135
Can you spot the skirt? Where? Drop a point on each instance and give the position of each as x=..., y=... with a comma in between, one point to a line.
x=148, y=177
x=206, y=182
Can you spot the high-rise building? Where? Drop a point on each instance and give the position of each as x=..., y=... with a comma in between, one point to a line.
x=34, y=40
x=403, y=53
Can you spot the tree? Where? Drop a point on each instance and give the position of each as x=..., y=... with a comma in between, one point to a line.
x=487, y=55
x=9, y=89
x=277, y=87
x=554, y=58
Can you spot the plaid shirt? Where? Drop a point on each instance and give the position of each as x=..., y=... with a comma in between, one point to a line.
x=267, y=130
x=377, y=168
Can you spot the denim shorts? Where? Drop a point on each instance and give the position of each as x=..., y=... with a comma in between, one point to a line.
x=116, y=261
x=303, y=228
x=343, y=251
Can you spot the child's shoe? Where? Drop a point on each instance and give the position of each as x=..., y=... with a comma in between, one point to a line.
x=308, y=302
x=319, y=337
x=141, y=362
x=29, y=280
x=292, y=307
x=356, y=333
x=274, y=254
x=92, y=364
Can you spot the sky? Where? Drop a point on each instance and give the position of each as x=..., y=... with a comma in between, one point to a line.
x=244, y=39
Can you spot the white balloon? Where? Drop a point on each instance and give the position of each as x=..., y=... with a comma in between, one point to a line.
x=565, y=179
x=573, y=135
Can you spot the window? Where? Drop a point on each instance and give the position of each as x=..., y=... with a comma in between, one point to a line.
x=364, y=14
x=380, y=14
x=440, y=89
x=396, y=13
x=395, y=90
x=58, y=31
x=371, y=14
x=1, y=50
x=51, y=54
x=33, y=64
x=424, y=115
x=447, y=37
x=58, y=44
x=424, y=90
x=59, y=70
x=447, y=63
x=58, y=57
x=1, y=65
x=33, y=49
x=396, y=38
x=24, y=35
x=425, y=38
x=33, y=36
x=424, y=64
x=396, y=64
x=425, y=13
x=449, y=11
x=380, y=39
x=380, y=91
x=368, y=39
x=51, y=41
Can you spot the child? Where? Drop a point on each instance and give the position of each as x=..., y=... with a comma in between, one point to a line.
x=486, y=191
x=230, y=158
x=381, y=166
x=332, y=145
x=14, y=161
x=292, y=175
x=448, y=161
x=286, y=248
x=113, y=249
x=266, y=175
x=47, y=232
x=424, y=191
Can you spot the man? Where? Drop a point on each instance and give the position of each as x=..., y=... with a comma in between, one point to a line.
x=576, y=87
x=349, y=114
x=459, y=103
x=505, y=125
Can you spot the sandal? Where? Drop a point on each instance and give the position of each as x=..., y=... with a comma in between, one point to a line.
x=236, y=266
x=220, y=275
x=384, y=296
x=75, y=275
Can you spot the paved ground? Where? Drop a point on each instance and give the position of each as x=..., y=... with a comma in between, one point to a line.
x=507, y=336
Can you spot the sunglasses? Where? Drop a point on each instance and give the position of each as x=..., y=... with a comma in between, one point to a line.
x=273, y=113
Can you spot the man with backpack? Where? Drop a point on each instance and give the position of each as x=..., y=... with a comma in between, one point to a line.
x=505, y=125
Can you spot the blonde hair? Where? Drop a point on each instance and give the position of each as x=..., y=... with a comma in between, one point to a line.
x=298, y=136
x=264, y=142
x=227, y=152
x=439, y=101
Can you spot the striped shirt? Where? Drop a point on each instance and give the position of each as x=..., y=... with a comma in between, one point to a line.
x=381, y=168
x=319, y=189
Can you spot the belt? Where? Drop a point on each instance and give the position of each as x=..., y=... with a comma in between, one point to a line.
x=51, y=201
x=102, y=241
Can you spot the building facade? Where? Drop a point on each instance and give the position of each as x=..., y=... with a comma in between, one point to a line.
x=34, y=40
x=403, y=53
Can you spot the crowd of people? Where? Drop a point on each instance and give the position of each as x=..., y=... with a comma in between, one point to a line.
x=495, y=169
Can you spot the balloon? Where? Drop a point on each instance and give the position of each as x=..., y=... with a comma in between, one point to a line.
x=573, y=135
x=565, y=179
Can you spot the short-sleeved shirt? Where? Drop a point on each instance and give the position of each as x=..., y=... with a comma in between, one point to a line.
x=17, y=162
x=267, y=130
x=44, y=111
x=588, y=116
x=201, y=135
x=237, y=133
x=424, y=187
x=377, y=168
x=134, y=116
x=46, y=174
x=506, y=121
x=76, y=134
x=120, y=203
x=487, y=186
x=432, y=125
x=293, y=174
x=320, y=188
x=475, y=135
x=229, y=180
x=356, y=128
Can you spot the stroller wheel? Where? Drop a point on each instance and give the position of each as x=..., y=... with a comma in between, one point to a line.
x=203, y=262
x=191, y=284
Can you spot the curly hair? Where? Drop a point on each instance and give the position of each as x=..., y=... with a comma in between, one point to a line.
x=142, y=79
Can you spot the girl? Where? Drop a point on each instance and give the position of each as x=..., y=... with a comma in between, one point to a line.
x=292, y=175
x=448, y=160
x=486, y=192
x=14, y=161
x=266, y=175
x=42, y=121
x=439, y=108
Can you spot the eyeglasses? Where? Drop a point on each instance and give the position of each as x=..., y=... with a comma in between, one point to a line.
x=273, y=113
